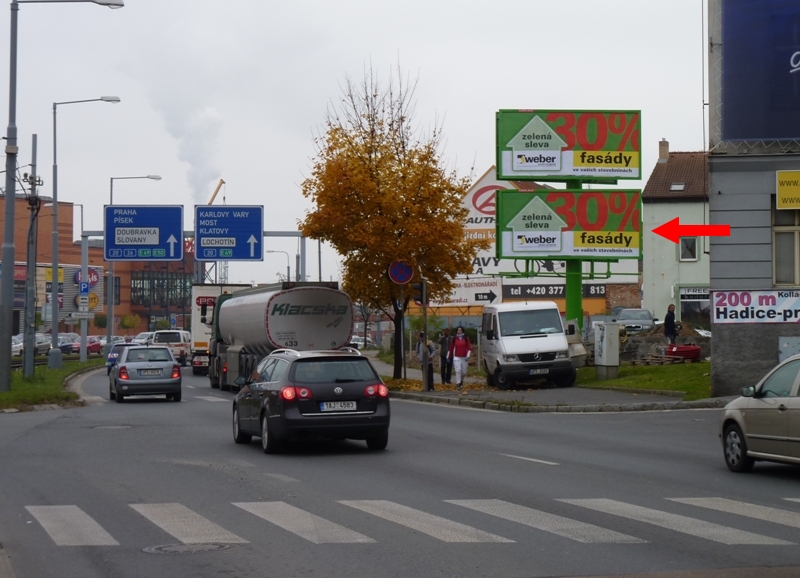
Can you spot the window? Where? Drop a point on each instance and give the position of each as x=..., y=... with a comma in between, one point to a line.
x=785, y=243
x=677, y=187
x=688, y=249
x=781, y=382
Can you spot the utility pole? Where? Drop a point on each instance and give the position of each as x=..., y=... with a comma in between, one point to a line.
x=34, y=204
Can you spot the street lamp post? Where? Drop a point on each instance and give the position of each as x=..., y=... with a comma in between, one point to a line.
x=110, y=288
x=54, y=357
x=288, y=276
x=8, y=250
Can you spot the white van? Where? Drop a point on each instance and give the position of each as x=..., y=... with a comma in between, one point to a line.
x=177, y=341
x=523, y=341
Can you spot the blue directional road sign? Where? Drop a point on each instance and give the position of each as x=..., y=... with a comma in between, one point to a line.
x=142, y=233
x=228, y=233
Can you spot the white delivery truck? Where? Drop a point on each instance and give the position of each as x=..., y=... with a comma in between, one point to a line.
x=205, y=295
x=247, y=325
x=523, y=341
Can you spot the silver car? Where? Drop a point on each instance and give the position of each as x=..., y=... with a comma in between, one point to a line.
x=144, y=370
x=764, y=423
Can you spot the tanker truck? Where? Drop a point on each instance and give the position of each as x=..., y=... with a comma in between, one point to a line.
x=247, y=325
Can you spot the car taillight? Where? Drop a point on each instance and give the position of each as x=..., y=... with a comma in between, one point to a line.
x=288, y=393
x=176, y=372
x=123, y=372
x=225, y=367
x=303, y=393
x=378, y=389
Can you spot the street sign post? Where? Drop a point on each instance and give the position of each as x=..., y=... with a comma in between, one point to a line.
x=228, y=233
x=556, y=145
x=143, y=233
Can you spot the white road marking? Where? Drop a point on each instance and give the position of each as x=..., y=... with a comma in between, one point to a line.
x=282, y=478
x=190, y=386
x=210, y=398
x=684, y=524
x=304, y=524
x=71, y=526
x=783, y=517
x=436, y=527
x=185, y=525
x=559, y=525
x=530, y=460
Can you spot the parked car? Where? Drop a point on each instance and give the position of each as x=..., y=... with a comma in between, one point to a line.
x=93, y=345
x=358, y=342
x=761, y=424
x=16, y=346
x=636, y=320
x=293, y=394
x=66, y=342
x=42, y=343
x=115, y=350
x=144, y=370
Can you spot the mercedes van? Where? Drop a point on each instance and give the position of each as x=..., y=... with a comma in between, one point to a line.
x=523, y=341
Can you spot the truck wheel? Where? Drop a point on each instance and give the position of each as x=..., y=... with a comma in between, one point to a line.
x=489, y=376
x=502, y=380
x=567, y=380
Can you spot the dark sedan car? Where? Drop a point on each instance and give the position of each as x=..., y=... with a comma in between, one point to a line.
x=302, y=394
x=143, y=370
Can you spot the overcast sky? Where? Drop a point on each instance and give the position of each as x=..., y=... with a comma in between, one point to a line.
x=237, y=89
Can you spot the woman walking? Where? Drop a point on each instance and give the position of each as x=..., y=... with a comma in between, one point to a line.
x=669, y=324
x=460, y=350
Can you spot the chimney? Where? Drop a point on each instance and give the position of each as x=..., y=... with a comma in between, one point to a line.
x=663, y=150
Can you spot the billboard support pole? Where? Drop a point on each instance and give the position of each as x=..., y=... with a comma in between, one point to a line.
x=574, y=285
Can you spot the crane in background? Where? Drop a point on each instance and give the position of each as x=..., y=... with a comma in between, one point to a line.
x=223, y=265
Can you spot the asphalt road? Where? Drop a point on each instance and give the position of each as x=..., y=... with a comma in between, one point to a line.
x=157, y=488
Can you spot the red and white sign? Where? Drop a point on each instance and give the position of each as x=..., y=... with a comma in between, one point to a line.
x=94, y=276
x=208, y=301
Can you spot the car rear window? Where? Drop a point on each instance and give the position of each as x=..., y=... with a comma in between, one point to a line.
x=117, y=347
x=332, y=370
x=170, y=337
x=148, y=354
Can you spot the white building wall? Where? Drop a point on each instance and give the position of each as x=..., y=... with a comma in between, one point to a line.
x=663, y=273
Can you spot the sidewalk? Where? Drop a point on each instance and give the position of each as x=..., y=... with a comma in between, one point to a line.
x=543, y=398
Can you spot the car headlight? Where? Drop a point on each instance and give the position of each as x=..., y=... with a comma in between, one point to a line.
x=562, y=354
x=510, y=358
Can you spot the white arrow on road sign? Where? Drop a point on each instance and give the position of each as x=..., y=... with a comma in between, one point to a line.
x=252, y=240
x=172, y=240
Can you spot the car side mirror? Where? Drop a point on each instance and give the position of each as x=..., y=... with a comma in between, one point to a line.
x=613, y=320
x=240, y=381
x=490, y=334
x=749, y=391
x=655, y=319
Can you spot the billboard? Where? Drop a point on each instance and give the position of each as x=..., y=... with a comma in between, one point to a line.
x=597, y=225
x=554, y=145
x=760, y=70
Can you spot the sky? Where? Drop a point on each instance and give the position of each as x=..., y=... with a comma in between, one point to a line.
x=238, y=89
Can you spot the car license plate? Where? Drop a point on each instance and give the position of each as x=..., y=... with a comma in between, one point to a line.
x=149, y=372
x=337, y=406
x=539, y=371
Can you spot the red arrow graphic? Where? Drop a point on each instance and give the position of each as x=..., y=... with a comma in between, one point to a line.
x=673, y=230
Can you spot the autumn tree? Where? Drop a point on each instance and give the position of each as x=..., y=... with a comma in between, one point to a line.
x=382, y=194
x=128, y=322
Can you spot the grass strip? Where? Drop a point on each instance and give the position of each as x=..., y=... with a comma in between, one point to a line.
x=47, y=386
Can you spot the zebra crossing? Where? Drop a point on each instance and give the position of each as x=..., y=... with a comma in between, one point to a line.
x=69, y=525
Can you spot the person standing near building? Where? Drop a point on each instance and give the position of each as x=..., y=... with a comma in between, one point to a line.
x=459, y=353
x=444, y=349
x=669, y=324
x=421, y=355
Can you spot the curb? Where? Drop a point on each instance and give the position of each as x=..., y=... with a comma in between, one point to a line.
x=534, y=408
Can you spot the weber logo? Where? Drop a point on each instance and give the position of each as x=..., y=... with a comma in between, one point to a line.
x=526, y=161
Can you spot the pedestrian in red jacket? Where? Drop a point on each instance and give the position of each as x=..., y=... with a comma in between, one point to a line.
x=459, y=353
